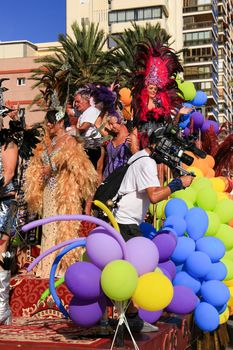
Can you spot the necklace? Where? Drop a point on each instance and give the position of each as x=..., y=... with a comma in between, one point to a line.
x=55, y=139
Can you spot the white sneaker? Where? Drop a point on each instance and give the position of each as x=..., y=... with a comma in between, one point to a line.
x=148, y=327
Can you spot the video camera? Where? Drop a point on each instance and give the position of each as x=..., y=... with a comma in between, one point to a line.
x=170, y=148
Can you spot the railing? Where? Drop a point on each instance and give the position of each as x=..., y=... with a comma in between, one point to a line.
x=197, y=8
x=197, y=25
x=188, y=43
x=198, y=59
x=198, y=76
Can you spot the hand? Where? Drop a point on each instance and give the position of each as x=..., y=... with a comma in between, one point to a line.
x=185, y=110
x=186, y=180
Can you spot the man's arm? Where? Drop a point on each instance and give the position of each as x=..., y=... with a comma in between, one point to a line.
x=157, y=194
x=9, y=159
x=84, y=127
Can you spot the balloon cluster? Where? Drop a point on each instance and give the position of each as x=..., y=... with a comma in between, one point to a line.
x=204, y=247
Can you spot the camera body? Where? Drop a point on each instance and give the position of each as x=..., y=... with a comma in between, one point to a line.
x=170, y=148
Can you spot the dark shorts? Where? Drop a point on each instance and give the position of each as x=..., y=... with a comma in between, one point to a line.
x=129, y=231
x=94, y=155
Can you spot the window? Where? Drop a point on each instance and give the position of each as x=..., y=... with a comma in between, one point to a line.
x=138, y=14
x=130, y=15
x=121, y=16
x=21, y=81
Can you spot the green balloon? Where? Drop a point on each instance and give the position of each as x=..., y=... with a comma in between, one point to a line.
x=119, y=280
x=188, y=89
x=159, y=209
x=225, y=234
x=85, y=257
x=206, y=198
x=229, y=265
x=213, y=225
x=201, y=182
x=188, y=194
x=224, y=209
x=229, y=254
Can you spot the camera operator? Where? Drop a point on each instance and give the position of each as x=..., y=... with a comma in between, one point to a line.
x=139, y=187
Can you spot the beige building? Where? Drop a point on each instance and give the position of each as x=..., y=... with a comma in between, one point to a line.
x=116, y=15
x=16, y=64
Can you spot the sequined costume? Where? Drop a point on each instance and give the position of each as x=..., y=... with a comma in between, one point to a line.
x=73, y=181
x=8, y=205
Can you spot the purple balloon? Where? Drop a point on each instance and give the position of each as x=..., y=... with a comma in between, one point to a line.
x=183, y=302
x=166, y=273
x=83, y=280
x=177, y=223
x=166, y=245
x=208, y=123
x=102, y=249
x=98, y=229
x=170, y=231
x=186, y=132
x=170, y=267
x=84, y=314
x=142, y=253
x=150, y=316
x=198, y=119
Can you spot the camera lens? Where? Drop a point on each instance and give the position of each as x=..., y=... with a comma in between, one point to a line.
x=186, y=159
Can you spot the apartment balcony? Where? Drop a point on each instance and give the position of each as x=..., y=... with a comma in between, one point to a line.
x=199, y=42
x=195, y=59
x=198, y=25
x=198, y=8
x=198, y=76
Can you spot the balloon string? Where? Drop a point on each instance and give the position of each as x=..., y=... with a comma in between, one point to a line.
x=130, y=333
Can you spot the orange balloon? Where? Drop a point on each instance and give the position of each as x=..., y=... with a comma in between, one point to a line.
x=210, y=173
x=230, y=223
x=210, y=160
x=127, y=113
x=202, y=165
x=125, y=96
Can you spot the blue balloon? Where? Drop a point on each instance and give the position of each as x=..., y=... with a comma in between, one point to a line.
x=221, y=308
x=176, y=206
x=187, y=104
x=197, y=223
x=184, y=279
x=147, y=230
x=184, y=247
x=212, y=246
x=215, y=293
x=206, y=317
x=198, y=264
x=177, y=223
x=185, y=123
x=199, y=99
x=218, y=271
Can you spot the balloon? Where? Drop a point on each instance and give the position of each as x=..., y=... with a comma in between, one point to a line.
x=218, y=271
x=198, y=264
x=83, y=280
x=176, y=206
x=86, y=314
x=147, y=230
x=202, y=165
x=127, y=112
x=224, y=316
x=102, y=248
x=206, y=198
x=208, y=124
x=98, y=229
x=169, y=266
x=188, y=194
x=185, y=246
x=183, y=302
x=125, y=96
x=218, y=184
x=229, y=265
x=186, y=132
x=199, y=183
x=150, y=316
x=142, y=253
x=195, y=170
x=199, y=99
x=206, y=317
x=210, y=173
x=212, y=246
x=198, y=119
x=215, y=293
x=224, y=209
x=119, y=280
x=159, y=208
x=176, y=223
x=154, y=291
x=85, y=257
x=225, y=234
x=210, y=160
x=188, y=90
x=184, y=279
x=230, y=301
x=165, y=244
x=197, y=223
x=213, y=223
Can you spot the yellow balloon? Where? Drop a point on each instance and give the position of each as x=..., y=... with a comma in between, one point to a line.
x=218, y=184
x=222, y=195
x=223, y=318
x=228, y=283
x=196, y=171
x=154, y=291
x=230, y=301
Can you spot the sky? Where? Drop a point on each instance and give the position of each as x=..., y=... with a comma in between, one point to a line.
x=33, y=20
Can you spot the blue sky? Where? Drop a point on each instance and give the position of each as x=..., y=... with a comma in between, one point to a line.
x=33, y=20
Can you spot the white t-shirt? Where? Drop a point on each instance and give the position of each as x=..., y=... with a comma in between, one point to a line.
x=89, y=116
x=134, y=204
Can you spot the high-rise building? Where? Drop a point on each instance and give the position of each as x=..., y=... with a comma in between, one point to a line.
x=116, y=15
x=207, y=34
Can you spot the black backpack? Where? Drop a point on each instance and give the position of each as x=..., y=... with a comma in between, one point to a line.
x=109, y=188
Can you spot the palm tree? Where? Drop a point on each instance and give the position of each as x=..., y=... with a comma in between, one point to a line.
x=127, y=46
x=79, y=61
